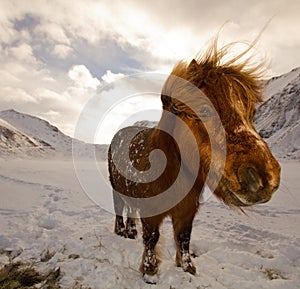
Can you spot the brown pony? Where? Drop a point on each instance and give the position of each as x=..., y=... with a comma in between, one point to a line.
x=205, y=135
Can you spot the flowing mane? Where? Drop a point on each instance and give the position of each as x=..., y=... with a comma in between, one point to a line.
x=238, y=79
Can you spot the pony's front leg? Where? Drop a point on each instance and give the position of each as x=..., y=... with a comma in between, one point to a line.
x=182, y=234
x=149, y=265
x=131, y=231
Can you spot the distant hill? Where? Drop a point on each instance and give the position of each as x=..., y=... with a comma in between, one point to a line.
x=14, y=142
x=26, y=135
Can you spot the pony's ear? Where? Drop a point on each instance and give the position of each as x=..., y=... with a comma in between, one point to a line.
x=193, y=66
x=195, y=72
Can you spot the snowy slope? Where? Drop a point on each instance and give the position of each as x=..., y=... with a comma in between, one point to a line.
x=43, y=132
x=278, y=118
x=14, y=142
x=46, y=219
x=278, y=83
x=145, y=123
x=37, y=128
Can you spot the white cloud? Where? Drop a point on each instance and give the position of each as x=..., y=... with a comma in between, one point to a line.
x=82, y=77
x=23, y=52
x=82, y=87
x=44, y=93
x=52, y=113
x=13, y=94
x=62, y=51
x=127, y=112
x=110, y=77
x=6, y=32
x=8, y=78
x=54, y=32
x=166, y=30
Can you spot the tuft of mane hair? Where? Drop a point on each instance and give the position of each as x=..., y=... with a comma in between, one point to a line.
x=239, y=77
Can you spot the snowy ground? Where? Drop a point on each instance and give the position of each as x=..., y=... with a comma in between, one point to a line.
x=46, y=219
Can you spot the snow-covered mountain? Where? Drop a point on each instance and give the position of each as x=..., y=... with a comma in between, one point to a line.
x=278, y=118
x=37, y=128
x=14, y=142
x=21, y=133
x=145, y=123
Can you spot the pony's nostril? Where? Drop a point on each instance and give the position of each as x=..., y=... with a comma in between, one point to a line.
x=249, y=178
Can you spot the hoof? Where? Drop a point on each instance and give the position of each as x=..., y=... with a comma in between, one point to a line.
x=190, y=269
x=121, y=232
x=150, y=279
x=187, y=264
x=149, y=265
x=131, y=234
x=120, y=227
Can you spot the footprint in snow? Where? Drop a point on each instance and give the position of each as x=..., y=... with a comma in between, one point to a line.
x=48, y=224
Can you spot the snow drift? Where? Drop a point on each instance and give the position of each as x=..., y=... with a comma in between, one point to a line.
x=47, y=219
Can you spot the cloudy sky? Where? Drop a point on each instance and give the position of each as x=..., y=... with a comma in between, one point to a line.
x=56, y=55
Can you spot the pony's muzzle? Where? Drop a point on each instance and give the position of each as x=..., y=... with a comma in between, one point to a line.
x=249, y=179
x=257, y=187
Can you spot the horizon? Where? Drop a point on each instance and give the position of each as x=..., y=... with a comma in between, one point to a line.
x=123, y=121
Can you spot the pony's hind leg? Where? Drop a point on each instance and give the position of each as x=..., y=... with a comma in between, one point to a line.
x=149, y=265
x=119, y=221
x=182, y=234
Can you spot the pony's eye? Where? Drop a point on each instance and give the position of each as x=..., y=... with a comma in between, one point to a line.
x=205, y=112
